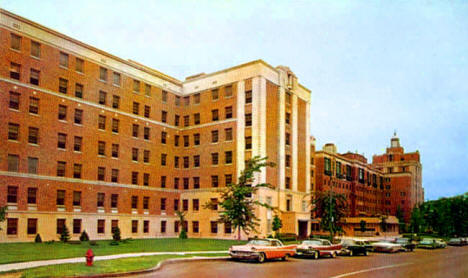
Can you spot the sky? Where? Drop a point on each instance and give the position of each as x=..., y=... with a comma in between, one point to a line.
x=373, y=66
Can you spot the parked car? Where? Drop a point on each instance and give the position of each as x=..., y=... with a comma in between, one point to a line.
x=456, y=242
x=318, y=248
x=432, y=243
x=386, y=246
x=353, y=247
x=406, y=244
x=261, y=250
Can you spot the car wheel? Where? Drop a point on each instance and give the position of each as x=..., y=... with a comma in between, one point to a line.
x=316, y=255
x=333, y=255
x=261, y=258
x=286, y=257
x=366, y=253
x=351, y=253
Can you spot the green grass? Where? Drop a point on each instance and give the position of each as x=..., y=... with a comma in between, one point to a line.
x=100, y=267
x=20, y=252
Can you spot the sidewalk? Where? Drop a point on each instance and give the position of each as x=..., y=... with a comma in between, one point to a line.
x=24, y=265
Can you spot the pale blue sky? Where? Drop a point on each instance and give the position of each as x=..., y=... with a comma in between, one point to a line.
x=373, y=66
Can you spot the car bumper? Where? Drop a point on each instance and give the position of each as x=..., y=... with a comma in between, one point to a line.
x=305, y=252
x=244, y=255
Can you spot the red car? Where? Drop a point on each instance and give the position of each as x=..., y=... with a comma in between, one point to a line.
x=261, y=250
x=318, y=248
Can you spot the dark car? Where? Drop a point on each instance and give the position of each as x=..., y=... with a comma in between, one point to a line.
x=353, y=247
x=406, y=244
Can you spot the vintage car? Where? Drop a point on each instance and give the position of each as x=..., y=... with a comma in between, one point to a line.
x=431, y=243
x=386, y=246
x=353, y=247
x=406, y=244
x=316, y=248
x=261, y=250
x=455, y=242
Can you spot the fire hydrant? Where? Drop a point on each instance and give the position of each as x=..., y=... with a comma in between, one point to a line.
x=89, y=257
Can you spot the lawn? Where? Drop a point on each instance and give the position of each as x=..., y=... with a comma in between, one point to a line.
x=20, y=252
x=99, y=267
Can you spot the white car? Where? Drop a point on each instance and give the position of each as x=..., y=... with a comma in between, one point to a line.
x=385, y=246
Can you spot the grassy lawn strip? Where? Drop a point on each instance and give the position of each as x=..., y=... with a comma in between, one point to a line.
x=21, y=252
x=100, y=267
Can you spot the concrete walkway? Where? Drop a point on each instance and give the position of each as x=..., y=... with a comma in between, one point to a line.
x=24, y=265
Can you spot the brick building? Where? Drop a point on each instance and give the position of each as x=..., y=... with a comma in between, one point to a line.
x=93, y=141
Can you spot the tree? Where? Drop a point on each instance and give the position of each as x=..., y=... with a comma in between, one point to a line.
x=237, y=204
x=84, y=236
x=183, y=232
x=401, y=219
x=416, y=220
x=2, y=214
x=116, y=233
x=362, y=225
x=330, y=207
x=277, y=225
x=38, y=239
x=65, y=235
x=383, y=223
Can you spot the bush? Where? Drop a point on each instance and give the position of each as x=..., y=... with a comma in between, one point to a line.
x=50, y=242
x=74, y=242
x=116, y=233
x=93, y=243
x=287, y=236
x=114, y=242
x=183, y=234
x=38, y=239
x=65, y=235
x=84, y=236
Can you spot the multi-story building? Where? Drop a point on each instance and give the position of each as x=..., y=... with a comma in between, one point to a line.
x=93, y=141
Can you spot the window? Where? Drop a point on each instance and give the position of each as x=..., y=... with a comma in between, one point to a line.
x=136, y=108
x=228, y=179
x=103, y=74
x=145, y=202
x=214, y=115
x=32, y=195
x=134, y=226
x=61, y=168
x=196, y=182
x=13, y=131
x=186, y=161
x=228, y=91
x=115, y=150
x=214, y=227
x=288, y=183
x=147, y=111
x=115, y=125
x=163, y=204
x=196, y=98
x=186, y=183
x=101, y=224
x=77, y=171
x=77, y=143
x=164, y=97
x=147, y=90
x=176, y=120
x=176, y=140
x=135, y=154
x=195, y=205
x=288, y=160
x=79, y=65
x=60, y=198
x=176, y=183
x=102, y=97
x=186, y=120
x=115, y=175
x=288, y=204
x=196, y=139
x=14, y=101
x=187, y=101
x=177, y=100
x=77, y=198
x=135, y=178
x=15, y=42
x=176, y=204
x=164, y=116
x=214, y=181
x=12, y=226
x=176, y=162
x=101, y=176
x=248, y=119
x=101, y=148
x=214, y=136
x=184, y=205
x=288, y=139
x=227, y=228
x=32, y=226
x=13, y=163
x=163, y=137
x=163, y=159
x=34, y=77
x=288, y=98
x=115, y=101
x=134, y=202
x=15, y=70
x=100, y=199
x=114, y=200
x=146, y=156
x=228, y=157
x=214, y=201
x=248, y=142
x=145, y=226
x=163, y=181
x=62, y=141
x=214, y=94
x=196, y=161
x=163, y=226
x=114, y=225
x=62, y=112
x=248, y=97
x=63, y=85
x=146, y=178
x=288, y=118
x=196, y=118
x=12, y=194
x=60, y=225
x=63, y=61
x=78, y=90
x=33, y=136
x=228, y=112
x=116, y=78
x=186, y=141
x=214, y=159
x=135, y=129
x=78, y=116
x=76, y=226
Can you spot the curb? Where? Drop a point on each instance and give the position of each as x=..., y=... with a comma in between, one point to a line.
x=154, y=269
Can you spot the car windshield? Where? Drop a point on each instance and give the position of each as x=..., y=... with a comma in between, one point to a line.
x=454, y=240
x=260, y=242
x=402, y=240
x=349, y=242
x=426, y=240
x=312, y=242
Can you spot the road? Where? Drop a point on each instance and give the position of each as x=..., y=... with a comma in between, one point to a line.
x=447, y=263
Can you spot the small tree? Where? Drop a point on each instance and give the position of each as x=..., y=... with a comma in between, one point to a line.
x=401, y=219
x=331, y=207
x=236, y=199
x=183, y=232
x=84, y=236
x=2, y=214
x=362, y=225
x=65, y=235
x=116, y=233
x=38, y=239
x=277, y=225
x=383, y=223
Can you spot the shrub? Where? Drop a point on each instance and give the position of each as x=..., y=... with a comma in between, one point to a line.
x=65, y=235
x=116, y=234
x=183, y=234
x=38, y=239
x=74, y=242
x=93, y=243
x=114, y=242
x=50, y=242
x=84, y=236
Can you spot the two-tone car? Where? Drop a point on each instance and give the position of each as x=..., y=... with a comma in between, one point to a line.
x=458, y=241
x=316, y=248
x=432, y=243
x=406, y=244
x=386, y=247
x=261, y=250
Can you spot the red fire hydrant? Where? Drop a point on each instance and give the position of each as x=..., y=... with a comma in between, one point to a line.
x=89, y=257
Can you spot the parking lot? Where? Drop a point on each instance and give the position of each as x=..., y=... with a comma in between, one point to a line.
x=448, y=262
